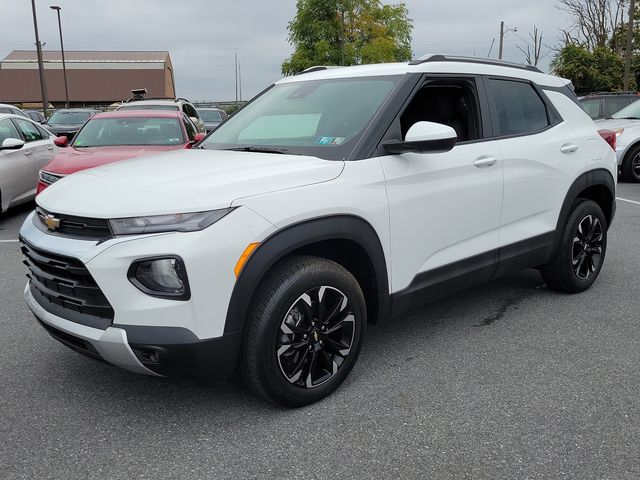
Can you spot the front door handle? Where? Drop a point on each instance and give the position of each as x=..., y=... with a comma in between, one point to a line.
x=568, y=148
x=49, y=147
x=485, y=162
x=27, y=152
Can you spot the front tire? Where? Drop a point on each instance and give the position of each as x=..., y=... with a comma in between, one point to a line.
x=578, y=258
x=631, y=166
x=304, y=332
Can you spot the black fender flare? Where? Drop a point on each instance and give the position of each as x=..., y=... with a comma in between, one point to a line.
x=592, y=178
x=298, y=235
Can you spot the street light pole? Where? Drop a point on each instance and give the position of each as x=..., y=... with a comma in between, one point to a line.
x=43, y=82
x=64, y=67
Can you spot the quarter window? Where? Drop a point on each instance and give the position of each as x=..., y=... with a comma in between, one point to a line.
x=519, y=108
x=29, y=130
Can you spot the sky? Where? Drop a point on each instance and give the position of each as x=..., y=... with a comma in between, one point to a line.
x=203, y=36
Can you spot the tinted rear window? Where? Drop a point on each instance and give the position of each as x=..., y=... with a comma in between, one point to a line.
x=519, y=108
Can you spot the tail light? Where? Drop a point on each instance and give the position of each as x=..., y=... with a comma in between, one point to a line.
x=609, y=137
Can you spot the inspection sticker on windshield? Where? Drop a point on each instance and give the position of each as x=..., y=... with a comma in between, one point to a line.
x=330, y=140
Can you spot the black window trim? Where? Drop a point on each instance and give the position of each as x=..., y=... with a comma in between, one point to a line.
x=482, y=104
x=553, y=117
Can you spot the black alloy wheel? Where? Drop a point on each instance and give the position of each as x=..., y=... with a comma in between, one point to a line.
x=579, y=254
x=316, y=336
x=587, y=247
x=304, y=331
x=631, y=166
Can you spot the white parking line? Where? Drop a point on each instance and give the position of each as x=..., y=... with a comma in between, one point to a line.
x=625, y=200
x=8, y=241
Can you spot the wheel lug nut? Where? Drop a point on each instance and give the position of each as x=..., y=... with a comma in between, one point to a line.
x=313, y=324
x=321, y=342
x=305, y=336
x=310, y=347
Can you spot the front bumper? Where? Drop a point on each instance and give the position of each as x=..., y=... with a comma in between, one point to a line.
x=159, y=351
x=149, y=335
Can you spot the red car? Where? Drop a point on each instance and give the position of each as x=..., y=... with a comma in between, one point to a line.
x=114, y=136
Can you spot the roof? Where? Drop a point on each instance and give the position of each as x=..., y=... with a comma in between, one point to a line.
x=153, y=101
x=448, y=66
x=71, y=56
x=140, y=113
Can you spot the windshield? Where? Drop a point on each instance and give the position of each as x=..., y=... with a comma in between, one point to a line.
x=102, y=132
x=144, y=106
x=210, y=115
x=632, y=111
x=69, y=118
x=323, y=118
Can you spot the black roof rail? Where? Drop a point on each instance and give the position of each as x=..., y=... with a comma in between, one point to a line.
x=483, y=61
x=317, y=68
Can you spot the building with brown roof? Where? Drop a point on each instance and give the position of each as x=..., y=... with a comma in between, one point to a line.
x=94, y=78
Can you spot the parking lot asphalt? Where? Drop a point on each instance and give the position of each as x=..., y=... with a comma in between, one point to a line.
x=508, y=380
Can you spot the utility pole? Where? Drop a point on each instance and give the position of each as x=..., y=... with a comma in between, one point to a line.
x=239, y=82
x=64, y=66
x=235, y=67
x=43, y=81
x=628, y=53
x=501, y=40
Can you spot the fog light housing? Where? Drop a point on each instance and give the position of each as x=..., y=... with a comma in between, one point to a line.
x=163, y=277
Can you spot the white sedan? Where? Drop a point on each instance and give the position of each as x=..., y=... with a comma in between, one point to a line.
x=626, y=125
x=24, y=148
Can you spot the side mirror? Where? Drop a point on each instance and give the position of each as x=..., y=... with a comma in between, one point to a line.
x=61, y=141
x=424, y=137
x=198, y=137
x=12, y=144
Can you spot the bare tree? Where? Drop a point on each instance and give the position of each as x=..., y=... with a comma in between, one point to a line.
x=594, y=21
x=532, y=53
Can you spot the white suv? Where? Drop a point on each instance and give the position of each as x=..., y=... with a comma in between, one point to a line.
x=335, y=198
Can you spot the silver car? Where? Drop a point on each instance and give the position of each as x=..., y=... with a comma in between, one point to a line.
x=25, y=147
x=626, y=125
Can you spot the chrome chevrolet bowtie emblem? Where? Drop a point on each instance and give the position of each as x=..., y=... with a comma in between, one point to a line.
x=52, y=222
x=316, y=337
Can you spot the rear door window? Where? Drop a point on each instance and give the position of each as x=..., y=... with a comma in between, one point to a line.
x=30, y=132
x=614, y=104
x=8, y=130
x=519, y=109
x=592, y=107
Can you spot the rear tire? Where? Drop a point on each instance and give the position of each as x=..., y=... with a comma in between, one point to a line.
x=304, y=331
x=579, y=255
x=631, y=166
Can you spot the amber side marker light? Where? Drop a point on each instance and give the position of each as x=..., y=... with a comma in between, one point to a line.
x=244, y=257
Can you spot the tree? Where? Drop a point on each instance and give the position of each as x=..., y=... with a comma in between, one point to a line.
x=347, y=32
x=533, y=57
x=590, y=71
x=594, y=22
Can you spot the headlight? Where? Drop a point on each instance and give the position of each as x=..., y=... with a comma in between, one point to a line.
x=178, y=222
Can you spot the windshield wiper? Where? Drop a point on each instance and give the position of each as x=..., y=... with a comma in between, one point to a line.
x=627, y=118
x=258, y=149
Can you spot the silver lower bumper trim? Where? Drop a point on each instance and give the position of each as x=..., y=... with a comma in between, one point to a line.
x=111, y=343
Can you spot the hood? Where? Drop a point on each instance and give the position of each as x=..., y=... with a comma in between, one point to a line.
x=181, y=181
x=70, y=160
x=613, y=123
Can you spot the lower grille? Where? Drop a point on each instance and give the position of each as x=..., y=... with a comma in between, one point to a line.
x=64, y=287
x=75, y=343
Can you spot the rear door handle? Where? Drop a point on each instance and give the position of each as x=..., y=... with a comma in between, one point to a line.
x=49, y=147
x=485, y=162
x=27, y=152
x=568, y=148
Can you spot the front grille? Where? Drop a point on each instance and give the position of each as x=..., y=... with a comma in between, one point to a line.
x=68, y=225
x=64, y=287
